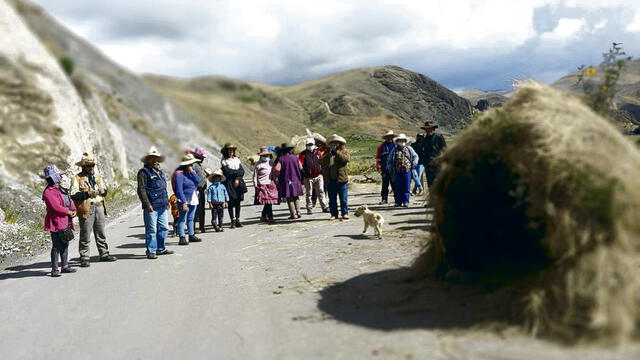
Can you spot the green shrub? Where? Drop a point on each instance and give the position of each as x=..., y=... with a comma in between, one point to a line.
x=67, y=65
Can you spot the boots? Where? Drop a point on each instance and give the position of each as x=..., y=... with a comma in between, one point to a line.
x=238, y=223
x=193, y=238
x=183, y=241
x=233, y=224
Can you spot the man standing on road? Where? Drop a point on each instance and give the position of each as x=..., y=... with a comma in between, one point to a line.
x=334, y=165
x=199, y=154
x=152, y=191
x=418, y=188
x=382, y=156
x=402, y=160
x=431, y=147
x=88, y=192
x=312, y=175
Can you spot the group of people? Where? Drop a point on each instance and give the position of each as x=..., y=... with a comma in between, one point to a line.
x=399, y=164
x=318, y=172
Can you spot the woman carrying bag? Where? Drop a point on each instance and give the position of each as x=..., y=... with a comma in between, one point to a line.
x=58, y=220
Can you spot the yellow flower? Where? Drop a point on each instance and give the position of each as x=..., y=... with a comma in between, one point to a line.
x=603, y=88
x=591, y=71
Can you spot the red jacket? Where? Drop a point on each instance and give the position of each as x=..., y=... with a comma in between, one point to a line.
x=57, y=217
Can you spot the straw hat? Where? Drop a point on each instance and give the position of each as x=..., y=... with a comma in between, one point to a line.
x=264, y=152
x=217, y=173
x=87, y=159
x=188, y=159
x=429, y=125
x=229, y=146
x=336, y=138
x=389, y=133
x=152, y=152
x=401, y=137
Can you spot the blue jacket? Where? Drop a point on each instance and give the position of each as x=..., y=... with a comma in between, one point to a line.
x=217, y=193
x=186, y=184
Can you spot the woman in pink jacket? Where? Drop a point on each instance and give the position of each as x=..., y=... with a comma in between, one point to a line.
x=60, y=213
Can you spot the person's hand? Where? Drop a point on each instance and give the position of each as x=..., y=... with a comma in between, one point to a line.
x=149, y=209
x=71, y=213
x=185, y=207
x=92, y=193
x=225, y=205
x=210, y=205
x=100, y=191
x=236, y=182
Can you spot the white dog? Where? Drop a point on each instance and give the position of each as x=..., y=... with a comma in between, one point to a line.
x=371, y=218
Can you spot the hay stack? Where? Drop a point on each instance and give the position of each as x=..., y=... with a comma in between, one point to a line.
x=543, y=196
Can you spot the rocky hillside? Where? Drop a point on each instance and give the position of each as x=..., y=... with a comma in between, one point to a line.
x=492, y=98
x=361, y=102
x=51, y=113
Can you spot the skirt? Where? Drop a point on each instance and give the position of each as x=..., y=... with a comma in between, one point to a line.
x=267, y=194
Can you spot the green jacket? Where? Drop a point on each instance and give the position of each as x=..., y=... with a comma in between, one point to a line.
x=334, y=166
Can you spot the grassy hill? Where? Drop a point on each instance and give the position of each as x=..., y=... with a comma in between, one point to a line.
x=359, y=104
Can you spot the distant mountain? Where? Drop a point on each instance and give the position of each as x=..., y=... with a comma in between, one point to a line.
x=492, y=98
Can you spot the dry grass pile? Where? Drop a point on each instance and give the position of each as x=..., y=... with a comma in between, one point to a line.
x=543, y=197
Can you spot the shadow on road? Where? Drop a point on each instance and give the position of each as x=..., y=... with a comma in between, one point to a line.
x=359, y=236
x=394, y=299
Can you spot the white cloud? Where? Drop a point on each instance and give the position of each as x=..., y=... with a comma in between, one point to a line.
x=635, y=25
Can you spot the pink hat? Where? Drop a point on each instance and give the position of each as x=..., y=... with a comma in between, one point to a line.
x=198, y=152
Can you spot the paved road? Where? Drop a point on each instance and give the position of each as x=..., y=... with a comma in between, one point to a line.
x=312, y=289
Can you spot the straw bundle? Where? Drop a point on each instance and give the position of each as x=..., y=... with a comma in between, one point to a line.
x=543, y=196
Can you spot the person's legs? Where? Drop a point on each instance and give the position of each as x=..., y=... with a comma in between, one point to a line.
x=191, y=213
x=64, y=255
x=405, y=187
x=98, y=231
x=318, y=186
x=263, y=215
x=182, y=219
x=162, y=227
x=291, y=206
x=397, y=188
x=296, y=204
x=54, y=252
x=308, y=191
x=150, y=230
x=200, y=213
x=86, y=226
x=269, y=208
x=220, y=213
x=384, y=191
x=343, y=192
x=420, y=173
x=332, y=187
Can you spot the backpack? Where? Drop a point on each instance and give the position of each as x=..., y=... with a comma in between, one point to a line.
x=311, y=166
x=173, y=200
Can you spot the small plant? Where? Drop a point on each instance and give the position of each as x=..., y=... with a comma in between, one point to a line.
x=67, y=64
x=11, y=216
x=600, y=89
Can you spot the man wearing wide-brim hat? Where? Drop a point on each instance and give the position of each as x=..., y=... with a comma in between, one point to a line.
x=382, y=154
x=312, y=175
x=152, y=191
x=432, y=145
x=334, y=166
x=88, y=192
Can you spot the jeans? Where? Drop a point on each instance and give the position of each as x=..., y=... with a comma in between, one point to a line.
x=341, y=190
x=387, y=180
x=156, y=228
x=402, y=186
x=217, y=214
x=417, y=177
x=186, y=216
x=60, y=249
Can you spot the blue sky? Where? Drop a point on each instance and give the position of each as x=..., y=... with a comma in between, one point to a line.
x=462, y=44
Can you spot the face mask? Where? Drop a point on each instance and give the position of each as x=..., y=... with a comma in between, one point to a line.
x=311, y=147
x=264, y=159
x=65, y=183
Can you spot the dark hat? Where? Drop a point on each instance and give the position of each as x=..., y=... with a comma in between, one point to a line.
x=429, y=125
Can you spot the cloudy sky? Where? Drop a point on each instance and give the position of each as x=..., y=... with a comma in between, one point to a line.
x=461, y=43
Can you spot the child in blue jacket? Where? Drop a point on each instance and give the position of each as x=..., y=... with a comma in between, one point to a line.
x=217, y=196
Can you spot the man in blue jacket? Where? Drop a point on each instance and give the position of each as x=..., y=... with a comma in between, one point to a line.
x=382, y=155
x=152, y=191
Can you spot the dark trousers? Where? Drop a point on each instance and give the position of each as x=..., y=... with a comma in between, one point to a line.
x=402, y=187
x=234, y=206
x=59, y=249
x=387, y=180
x=431, y=171
x=217, y=213
x=200, y=213
x=267, y=211
x=338, y=190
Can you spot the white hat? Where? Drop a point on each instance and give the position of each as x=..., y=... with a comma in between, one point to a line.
x=217, y=173
x=152, y=152
x=389, y=133
x=336, y=138
x=188, y=159
x=310, y=140
x=401, y=137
